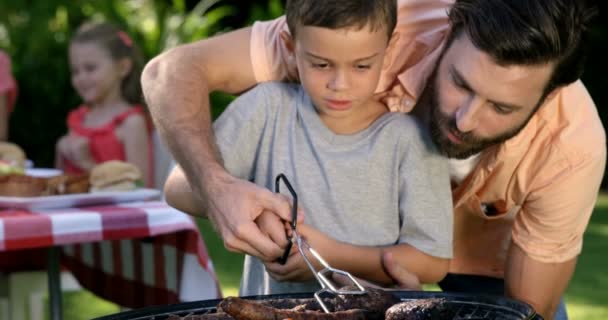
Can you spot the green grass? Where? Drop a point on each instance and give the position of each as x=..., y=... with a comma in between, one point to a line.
x=586, y=298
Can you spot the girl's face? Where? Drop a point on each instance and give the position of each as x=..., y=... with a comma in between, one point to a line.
x=95, y=75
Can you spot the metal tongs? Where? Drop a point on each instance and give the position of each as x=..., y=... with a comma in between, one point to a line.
x=323, y=276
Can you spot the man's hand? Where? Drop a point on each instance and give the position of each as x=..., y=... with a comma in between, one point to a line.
x=404, y=279
x=235, y=205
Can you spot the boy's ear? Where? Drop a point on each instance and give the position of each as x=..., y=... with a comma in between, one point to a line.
x=288, y=41
x=125, y=65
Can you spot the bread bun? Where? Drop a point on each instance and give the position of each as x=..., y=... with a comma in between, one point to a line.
x=114, y=175
x=12, y=154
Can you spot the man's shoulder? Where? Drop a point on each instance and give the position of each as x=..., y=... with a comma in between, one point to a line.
x=573, y=123
x=565, y=133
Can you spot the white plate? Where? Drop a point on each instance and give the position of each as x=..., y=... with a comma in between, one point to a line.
x=78, y=199
x=43, y=172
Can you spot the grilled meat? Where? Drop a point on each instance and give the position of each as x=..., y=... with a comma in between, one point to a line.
x=422, y=309
x=242, y=309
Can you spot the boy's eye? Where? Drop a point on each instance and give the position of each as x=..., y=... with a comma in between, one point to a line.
x=320, y=65
x=363, y=66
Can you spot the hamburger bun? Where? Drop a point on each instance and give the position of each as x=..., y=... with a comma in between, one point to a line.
x=12, y=154
x=114, y=175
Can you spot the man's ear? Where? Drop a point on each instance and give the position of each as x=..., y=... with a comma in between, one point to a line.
x=288, y=41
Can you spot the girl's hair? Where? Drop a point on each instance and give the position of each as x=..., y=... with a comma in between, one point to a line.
x=119, y=45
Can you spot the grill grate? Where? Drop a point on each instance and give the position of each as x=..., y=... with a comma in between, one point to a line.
x=466, y=307
x=475, y=311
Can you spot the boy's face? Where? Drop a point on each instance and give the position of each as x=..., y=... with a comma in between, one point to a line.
x=339, y=69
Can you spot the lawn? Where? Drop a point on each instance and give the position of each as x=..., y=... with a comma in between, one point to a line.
x=586, y=298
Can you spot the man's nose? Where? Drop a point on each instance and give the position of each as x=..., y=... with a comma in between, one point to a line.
x=339, y=81
x=467, y=116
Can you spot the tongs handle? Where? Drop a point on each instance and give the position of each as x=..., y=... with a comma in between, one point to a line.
x=294, y=212
x=322, y=276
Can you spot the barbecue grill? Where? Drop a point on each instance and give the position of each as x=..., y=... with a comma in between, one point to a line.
x=471, y=307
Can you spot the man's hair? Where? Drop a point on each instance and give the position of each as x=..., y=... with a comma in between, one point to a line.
x=527, y=32
x=337, y=14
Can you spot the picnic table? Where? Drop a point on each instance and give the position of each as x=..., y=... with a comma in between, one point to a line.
x=134, y=254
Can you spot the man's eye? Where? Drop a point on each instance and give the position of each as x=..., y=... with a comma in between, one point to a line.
x=363, y=66
x=501, y=109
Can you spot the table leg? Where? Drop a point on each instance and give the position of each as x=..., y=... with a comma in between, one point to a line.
x=53, y=273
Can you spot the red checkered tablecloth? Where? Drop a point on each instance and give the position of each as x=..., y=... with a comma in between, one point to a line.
x=134, y=254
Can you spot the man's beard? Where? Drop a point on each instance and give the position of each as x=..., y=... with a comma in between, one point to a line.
x=440, y=124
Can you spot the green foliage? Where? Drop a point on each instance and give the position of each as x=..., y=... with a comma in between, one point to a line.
x=36, y=35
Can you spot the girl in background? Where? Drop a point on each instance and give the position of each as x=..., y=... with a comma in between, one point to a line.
x=111, y=124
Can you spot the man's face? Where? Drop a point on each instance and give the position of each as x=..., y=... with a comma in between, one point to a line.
x=476, y=103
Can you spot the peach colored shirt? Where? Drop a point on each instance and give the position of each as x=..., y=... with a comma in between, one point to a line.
x=542, y=184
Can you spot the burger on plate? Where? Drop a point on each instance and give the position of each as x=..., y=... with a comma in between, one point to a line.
x=115, y=175
x=12, y=159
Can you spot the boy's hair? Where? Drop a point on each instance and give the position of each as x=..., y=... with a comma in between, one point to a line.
x=119, y=45
x=337, y=14
x=524, y=32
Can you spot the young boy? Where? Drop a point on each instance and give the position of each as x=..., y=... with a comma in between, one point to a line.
x=369, y=181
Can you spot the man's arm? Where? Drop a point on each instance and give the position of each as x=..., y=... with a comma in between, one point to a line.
x=537, y=283
x=176, y=86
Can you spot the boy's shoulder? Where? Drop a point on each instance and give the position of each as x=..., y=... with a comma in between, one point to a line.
x=279, y=87
x=401, y=122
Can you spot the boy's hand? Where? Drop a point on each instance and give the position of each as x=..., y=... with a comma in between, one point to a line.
x=295, y=269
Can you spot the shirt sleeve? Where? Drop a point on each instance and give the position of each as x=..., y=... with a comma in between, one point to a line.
x=269, y=57
x=8, y=86
x=239, y=130
x=553, y=219
x=425, y=201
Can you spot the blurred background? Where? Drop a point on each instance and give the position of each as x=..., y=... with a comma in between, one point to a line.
x=35, y=36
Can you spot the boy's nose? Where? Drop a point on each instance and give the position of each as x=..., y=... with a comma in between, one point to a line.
x=338, y=82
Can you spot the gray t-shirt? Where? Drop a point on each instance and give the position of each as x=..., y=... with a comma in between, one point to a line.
x=381, y=186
